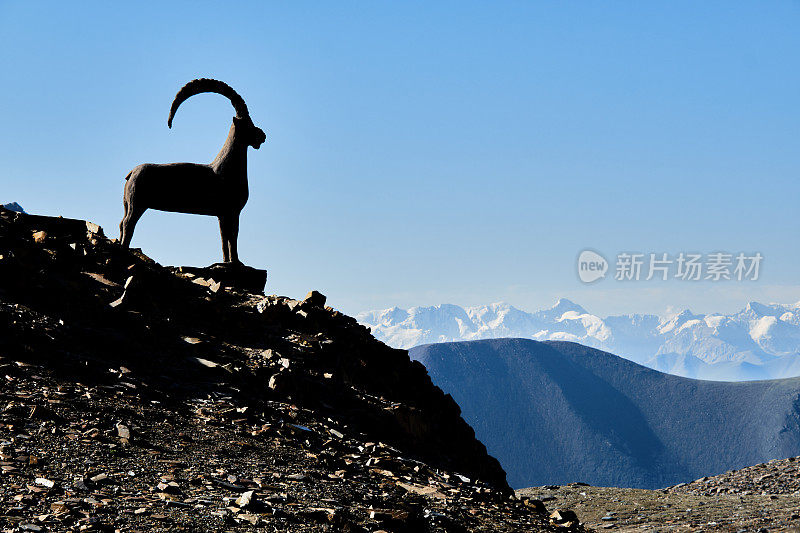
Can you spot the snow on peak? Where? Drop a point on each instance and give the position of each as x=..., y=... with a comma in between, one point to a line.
x=755, y=341
x=676, y=321
x=762, y=326
x=563, y=305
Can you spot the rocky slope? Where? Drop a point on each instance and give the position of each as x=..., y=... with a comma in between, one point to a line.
x=559, y=412
x=779, y=476
x=760, y=498
x=759, y=342
x=139, y=397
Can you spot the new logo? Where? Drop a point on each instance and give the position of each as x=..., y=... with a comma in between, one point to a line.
x=591, y=266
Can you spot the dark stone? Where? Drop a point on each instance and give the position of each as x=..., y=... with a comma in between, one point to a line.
x=535, y=504
x=138, y=293
x=234, y=275
x=563, y=516
x=314, y=299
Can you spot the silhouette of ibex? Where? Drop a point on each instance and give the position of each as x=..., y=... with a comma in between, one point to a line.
x=219, y=189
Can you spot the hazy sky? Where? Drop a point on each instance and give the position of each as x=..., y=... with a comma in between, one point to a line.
x=421, y=153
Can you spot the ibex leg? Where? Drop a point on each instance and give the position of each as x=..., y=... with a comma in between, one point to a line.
x=126, y=227
x=224, y=233
x=233, y=239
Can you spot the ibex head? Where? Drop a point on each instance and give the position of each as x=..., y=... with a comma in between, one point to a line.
x=253, y=135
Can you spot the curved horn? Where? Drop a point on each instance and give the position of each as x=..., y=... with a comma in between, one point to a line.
x=206, y=85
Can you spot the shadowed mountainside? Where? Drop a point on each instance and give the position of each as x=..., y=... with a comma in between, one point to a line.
x=558, y=412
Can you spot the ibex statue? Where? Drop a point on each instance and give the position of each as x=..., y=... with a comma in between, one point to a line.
x=219, y=189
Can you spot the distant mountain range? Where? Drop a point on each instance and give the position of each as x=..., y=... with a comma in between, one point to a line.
x=14, y=206
x=759, y=342
x=558, y=412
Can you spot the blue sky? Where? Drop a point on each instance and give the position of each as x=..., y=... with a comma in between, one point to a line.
x=421, y=153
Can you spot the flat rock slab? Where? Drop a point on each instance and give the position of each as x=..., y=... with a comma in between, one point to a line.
x=56, y=226
x=233, y=275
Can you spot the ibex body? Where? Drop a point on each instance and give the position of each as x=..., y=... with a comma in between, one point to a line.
x=219, y=189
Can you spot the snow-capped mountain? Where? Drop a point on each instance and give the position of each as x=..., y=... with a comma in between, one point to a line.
x=759, y=342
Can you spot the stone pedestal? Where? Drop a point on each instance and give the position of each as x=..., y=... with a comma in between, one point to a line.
x=233, y=275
